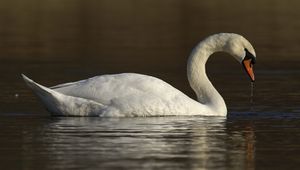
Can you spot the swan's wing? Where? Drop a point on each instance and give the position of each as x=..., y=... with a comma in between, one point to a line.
x=66, y=84
x=107, y=88
x=61, y=104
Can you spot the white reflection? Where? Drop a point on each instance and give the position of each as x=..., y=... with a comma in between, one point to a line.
x=162, y=142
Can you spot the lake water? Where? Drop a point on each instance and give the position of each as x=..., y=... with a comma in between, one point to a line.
x=54, y=42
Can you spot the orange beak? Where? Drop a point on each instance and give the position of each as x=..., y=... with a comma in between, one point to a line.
x=249, y=68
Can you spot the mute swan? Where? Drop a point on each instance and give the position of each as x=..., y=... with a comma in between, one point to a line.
x=130, y=94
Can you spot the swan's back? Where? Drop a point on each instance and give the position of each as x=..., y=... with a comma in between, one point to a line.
x=105, y=88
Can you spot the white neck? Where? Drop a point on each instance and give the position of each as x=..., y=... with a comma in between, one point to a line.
x=205, y=91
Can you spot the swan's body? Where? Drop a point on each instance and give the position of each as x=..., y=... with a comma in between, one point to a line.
x=129, y=94
x=126, y=94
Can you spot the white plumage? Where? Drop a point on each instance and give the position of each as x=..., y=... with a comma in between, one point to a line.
x=130, y=94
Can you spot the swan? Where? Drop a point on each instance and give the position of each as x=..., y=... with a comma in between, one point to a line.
x=132, y=95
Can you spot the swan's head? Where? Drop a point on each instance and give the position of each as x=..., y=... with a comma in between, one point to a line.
x=242, y=50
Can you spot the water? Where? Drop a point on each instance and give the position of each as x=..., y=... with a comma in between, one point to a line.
x=242, y=141
x=252, y=95
x=56, y=42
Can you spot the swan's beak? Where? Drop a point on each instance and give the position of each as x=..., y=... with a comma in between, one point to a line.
x=248, y=65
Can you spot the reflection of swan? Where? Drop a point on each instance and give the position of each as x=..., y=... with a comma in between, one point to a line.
x=132, y=94
x=178, y=142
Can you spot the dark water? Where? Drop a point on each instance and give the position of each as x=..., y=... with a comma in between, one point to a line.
x=60, y=41
x=242, y=141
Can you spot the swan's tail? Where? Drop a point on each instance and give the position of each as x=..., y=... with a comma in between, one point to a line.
x=63, y=105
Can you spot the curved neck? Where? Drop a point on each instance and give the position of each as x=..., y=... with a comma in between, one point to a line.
x=197, y=77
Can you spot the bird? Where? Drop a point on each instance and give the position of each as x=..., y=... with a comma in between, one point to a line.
x=138, y=95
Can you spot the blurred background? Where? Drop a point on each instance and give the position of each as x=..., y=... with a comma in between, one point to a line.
x=56, y=41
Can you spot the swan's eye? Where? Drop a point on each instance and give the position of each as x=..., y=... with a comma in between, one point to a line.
x=250, y=56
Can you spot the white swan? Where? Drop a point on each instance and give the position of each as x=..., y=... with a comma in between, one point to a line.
x=130, y=94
